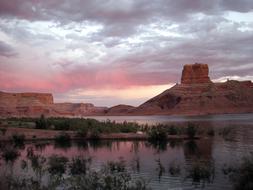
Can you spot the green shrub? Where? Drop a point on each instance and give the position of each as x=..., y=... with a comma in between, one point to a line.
x=95, y=134
x=242, y=175
x=3, y=130
x=57, y=165
x=201, y=172
x=18, y=139
x=82, y=132
x=79, y=165
x=172, y=130
x=191, y=130
x=62, y=137
x=10, y=154
x=157, y=133
x=41, y=123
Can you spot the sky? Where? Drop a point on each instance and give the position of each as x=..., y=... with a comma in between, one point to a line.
x=110, y=52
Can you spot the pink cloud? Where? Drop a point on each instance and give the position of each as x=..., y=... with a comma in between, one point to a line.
x=114, y=78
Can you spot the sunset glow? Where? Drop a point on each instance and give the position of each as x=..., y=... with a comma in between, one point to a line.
x=120, y=52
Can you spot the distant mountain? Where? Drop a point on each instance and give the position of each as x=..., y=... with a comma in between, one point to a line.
x=196, y=95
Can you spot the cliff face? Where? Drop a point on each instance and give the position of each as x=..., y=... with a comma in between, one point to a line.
x=197, y=95
x=195, y=74
x=21, y=99
x=35, y=104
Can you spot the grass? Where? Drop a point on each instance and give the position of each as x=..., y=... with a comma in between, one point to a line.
x=241, y=175
x=201, y=172
x=158, y=133
x=10, y=154
x=191, y=130
x=62, y=138
x=79, y=165
x=91, y=128
x=3, y=130
x=18, y=139
x=57, y=165
x=113, y=175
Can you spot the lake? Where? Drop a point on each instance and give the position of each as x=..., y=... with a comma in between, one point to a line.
x=163, y=166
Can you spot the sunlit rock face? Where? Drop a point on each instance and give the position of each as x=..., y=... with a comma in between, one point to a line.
x=21, y=99
x=195, y=74
x=36, y=104
x=198, y=95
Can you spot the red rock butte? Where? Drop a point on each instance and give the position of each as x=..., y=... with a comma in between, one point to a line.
x=196, y=95
x=195, y=74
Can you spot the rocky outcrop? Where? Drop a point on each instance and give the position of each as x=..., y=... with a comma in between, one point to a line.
x=195, y=74
x=35, y=104
x=120, y=110
x=24, y=104
x=197, y=95
x=23, y=99
x=76, y=109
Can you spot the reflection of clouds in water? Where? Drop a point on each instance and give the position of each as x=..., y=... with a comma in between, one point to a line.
x=141, y=157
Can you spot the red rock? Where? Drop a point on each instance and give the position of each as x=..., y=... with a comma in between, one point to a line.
x=195, y=74
x=120, y=110
x=197, y=95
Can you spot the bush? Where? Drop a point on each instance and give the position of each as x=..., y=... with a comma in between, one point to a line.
x=3, y=130
x=95, y=134
x=191, y=130
x=201, y=172
x=62, y=138
x=82, y=132
x=10, y=154
x=18, y=139
x=79, y=165
x=242, y=175
x=157, y=133
x=57, y=165
x=172, y=130
x=61, y=125
x=41, y=123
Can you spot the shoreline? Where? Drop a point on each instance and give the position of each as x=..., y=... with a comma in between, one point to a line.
x=45, y=134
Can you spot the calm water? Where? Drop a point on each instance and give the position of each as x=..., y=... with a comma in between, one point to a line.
x=213, y=152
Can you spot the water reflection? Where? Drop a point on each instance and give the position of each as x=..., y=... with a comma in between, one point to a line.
x=172, y=164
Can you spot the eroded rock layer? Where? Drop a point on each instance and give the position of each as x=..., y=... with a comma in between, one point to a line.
x=195, y=74
x=196, y=95
x=35, y=104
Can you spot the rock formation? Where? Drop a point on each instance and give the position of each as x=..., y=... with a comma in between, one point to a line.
x=196, y=95
x=195, y=74
x=120, y=110
x=35, y=104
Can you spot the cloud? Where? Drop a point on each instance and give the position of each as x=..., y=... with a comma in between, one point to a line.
x=117, y=44
x=7, y=50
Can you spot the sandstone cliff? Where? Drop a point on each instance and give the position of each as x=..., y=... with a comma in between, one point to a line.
x=35, y=104
x=195, y=74
x=197, y=95
x=120, y=110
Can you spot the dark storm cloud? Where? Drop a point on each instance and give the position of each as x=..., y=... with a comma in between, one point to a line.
x=120, y=18
x=7, y=50
x=203, y=34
